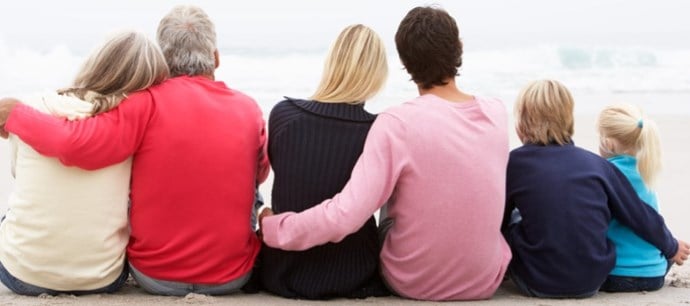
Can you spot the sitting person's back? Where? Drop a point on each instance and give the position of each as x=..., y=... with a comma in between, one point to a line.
x=560, y=199
x=439, y=160
x=631, y=144
x=198, y=154
x=313, y=145
x=66, y=228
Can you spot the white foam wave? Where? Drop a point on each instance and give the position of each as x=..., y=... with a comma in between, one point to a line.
x=268, y=77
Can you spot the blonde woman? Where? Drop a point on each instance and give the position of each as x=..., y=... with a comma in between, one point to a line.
x=66, y=228
x=437, y=161
x=313, y=145
x=630, y=142
x=560, y=199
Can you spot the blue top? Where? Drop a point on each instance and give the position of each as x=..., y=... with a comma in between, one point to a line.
x=567, y=197
x=635, y=256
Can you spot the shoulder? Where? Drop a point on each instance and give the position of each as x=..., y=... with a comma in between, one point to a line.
x=282, y=113
x=569, y=154
x=493, y=105
x=286, y=105
x=490, y=102
x=138, y=97
x=402, y=112
x=285, y=108
x=55, y=104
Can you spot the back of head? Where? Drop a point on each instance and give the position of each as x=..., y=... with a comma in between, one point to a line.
x=356, y=67
x=544, y=113
x=188, y=40
x=634, y=134
x=429, y=46
x=126, y=63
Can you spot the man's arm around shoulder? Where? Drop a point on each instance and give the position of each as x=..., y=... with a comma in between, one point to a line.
x=91, y=143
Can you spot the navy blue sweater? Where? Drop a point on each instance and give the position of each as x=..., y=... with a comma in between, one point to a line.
x=567, y=197
x=313, y=147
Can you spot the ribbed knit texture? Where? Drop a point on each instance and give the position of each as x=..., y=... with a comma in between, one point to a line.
x=313, y=147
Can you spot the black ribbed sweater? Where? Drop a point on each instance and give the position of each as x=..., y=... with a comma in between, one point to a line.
x=313, y=147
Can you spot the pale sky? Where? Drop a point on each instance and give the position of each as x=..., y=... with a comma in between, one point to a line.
x=245, y=26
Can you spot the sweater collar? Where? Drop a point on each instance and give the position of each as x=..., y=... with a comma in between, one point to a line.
x=624, y=159
x=343, y=111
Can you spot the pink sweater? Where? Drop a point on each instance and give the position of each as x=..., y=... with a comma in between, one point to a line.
x=442, y=168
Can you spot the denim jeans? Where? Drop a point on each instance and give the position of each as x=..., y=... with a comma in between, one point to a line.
x=162, y=287
x=526, y=290
x=19, y=287
x=385, y=224
x=258, y=202
x=616, y=283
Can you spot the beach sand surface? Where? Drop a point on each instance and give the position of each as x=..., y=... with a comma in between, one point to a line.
x=672, y=185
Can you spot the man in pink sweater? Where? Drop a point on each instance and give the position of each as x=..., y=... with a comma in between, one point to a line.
x=197, y=150
x=440, y=163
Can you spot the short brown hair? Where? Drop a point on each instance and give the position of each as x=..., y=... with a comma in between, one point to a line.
x=429, y=46
x=544, y=113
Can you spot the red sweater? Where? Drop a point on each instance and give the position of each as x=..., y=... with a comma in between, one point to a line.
x=198, y=150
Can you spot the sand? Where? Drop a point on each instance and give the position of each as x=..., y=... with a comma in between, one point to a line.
x=671, y=189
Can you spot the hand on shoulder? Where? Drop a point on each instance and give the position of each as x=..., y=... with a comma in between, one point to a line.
x=6, y=107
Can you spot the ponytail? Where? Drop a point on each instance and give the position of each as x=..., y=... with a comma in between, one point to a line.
x=649, y=151
x=636, y=135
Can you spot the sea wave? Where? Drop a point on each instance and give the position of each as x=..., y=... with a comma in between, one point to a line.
x=500, y=72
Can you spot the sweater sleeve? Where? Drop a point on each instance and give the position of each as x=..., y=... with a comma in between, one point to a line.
x=628, y=209
x=91, y=143
x=372, y=182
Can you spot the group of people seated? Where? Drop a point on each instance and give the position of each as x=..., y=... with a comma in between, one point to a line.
x=147, y=166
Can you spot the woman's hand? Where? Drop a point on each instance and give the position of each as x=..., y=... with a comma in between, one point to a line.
x=6, y=107
x=265, y=211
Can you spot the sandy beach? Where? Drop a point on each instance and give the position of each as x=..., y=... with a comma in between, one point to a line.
x=671, y=189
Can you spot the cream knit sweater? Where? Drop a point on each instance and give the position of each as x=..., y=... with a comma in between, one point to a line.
x=65, y=228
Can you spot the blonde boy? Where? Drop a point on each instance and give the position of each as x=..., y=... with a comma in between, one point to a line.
x=560, y=200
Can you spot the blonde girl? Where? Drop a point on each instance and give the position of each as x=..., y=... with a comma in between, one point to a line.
x=66, y=228
x=565, y=197
x=629, y=140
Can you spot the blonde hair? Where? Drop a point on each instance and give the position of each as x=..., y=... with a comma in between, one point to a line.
x=356, y=67
x=188, y=40
x=126, y=63
x=636, y=135
x=544, y=113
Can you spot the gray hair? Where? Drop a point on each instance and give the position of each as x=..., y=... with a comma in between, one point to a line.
x=187, y=38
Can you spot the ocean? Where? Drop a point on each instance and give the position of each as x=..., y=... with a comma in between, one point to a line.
x=657, y=80
x=604, y=51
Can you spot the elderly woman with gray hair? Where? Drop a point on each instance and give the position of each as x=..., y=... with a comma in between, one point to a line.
x=198, y=154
